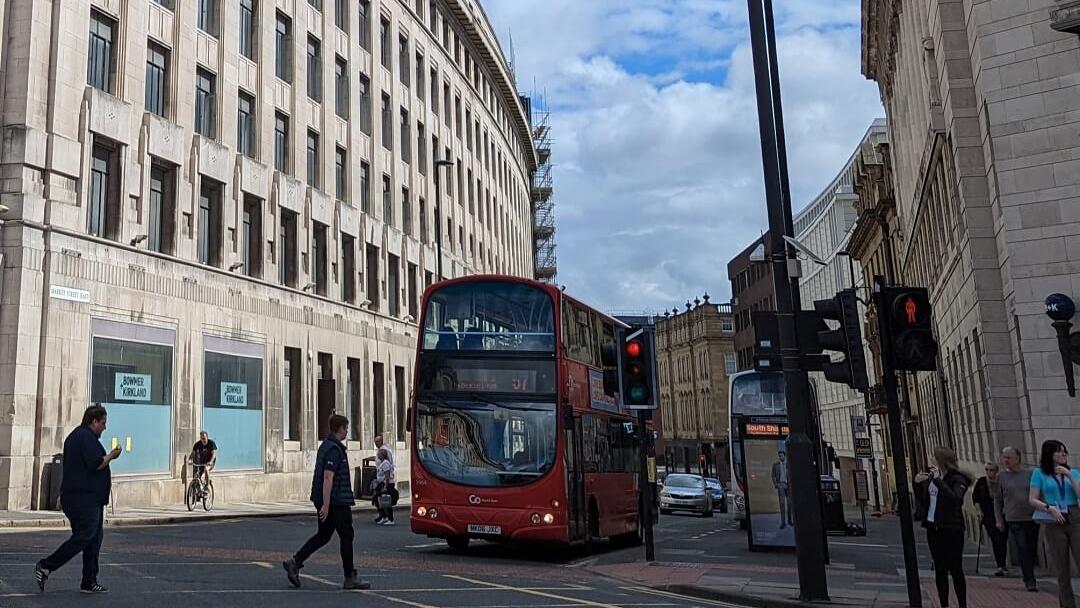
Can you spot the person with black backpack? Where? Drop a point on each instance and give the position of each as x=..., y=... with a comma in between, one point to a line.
x=331, y=493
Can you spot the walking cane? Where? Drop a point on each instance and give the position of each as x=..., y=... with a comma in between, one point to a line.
x=978, y=552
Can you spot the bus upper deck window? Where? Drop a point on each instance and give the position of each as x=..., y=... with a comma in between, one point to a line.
x=448, y=340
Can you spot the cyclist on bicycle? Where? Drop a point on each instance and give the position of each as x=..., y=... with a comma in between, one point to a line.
x=203, y=456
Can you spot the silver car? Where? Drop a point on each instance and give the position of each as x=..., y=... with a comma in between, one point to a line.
x=683, y=492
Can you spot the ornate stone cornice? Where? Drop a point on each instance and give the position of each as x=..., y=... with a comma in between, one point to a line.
x=1066, y=17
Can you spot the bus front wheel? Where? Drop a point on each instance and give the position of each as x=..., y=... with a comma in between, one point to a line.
x=458, y=543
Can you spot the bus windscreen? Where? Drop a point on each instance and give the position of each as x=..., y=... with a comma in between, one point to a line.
x=489, y=316
x=758, y=394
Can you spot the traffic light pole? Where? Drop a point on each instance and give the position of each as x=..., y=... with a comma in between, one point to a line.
x=809, y=530
x=647, y=489
x=903, y=496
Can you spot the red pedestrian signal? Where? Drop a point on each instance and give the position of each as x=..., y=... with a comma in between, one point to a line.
x=911, y=340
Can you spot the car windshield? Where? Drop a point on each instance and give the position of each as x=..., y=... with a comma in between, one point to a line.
x=683, y=481
x=483, y=442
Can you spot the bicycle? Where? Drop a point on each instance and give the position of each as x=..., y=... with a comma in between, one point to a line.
x=199, y=489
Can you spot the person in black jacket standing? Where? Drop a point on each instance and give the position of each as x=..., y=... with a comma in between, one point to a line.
x=331, y=493
x=982, y=496
x=941, y=507
x=84, y=492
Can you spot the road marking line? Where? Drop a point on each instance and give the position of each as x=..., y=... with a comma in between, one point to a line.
x=397, y=600
x=576, y=601
x=584, y=562
x=262, y=565
x=866, y=545
x=425, y=546
x=319, y=579
x=689, y=598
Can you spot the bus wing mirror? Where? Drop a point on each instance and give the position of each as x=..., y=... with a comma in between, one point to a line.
x=409, y=413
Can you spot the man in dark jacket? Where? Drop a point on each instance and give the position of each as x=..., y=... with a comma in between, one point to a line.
x=331, y=493
x=983, y=497
x=84, y=492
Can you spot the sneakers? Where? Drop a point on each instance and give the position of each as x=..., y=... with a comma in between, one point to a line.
x=94, y=587
x=386, y=522
x=351, y=582
x=1001, y=572
x=380, y=519
x=1032, y=586
x=292, y=570
x=40, y=576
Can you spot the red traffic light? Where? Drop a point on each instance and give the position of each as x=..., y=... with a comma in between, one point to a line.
x=633, y=349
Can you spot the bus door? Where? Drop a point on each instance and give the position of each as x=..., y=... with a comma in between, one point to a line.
x=575, y=482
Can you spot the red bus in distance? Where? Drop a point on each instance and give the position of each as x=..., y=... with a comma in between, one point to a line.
x=517, y=433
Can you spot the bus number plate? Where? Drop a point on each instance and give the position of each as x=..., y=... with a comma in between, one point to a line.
x=479, y=529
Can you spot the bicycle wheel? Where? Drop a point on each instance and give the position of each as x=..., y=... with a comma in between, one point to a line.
x=191, y=496
x=208, y=498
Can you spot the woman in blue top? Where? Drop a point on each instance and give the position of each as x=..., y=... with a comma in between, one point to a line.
x=1053, y=494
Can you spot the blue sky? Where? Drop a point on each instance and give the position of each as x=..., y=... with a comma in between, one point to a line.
x=658, y=177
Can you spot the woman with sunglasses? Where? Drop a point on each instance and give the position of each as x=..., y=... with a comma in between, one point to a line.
x=1053, y=494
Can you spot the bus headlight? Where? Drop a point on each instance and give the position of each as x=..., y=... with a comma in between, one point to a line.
x=554, y=503
x=535, y=518
x=421, y=511
x=433, y=513
x=549, y=518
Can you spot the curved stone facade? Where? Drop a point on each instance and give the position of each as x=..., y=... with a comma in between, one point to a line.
x=227, y=210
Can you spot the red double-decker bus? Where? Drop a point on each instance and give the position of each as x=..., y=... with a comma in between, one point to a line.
x=517, y=429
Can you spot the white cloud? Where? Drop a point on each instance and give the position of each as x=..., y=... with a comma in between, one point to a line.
x=658, y=167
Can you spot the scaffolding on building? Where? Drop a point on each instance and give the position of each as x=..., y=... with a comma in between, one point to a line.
x=543, y=203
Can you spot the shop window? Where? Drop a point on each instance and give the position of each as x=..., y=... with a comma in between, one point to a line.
x=233, y=401
x=294, y=377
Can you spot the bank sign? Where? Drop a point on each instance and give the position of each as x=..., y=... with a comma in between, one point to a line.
x=233, y=394
x=132, y=387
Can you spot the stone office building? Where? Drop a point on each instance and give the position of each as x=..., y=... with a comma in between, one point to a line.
x=221, y=215
x=983, y=104
x=695, y=354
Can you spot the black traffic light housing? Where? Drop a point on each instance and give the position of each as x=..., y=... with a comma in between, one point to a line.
x=911, y=335
x=766, y=341
x=637, y=368
x=815, y=336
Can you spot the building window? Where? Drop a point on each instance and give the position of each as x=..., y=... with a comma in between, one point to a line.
x=101, y=62
x=205, y=102
x=387, y=205
x=320, y=254
x=403, y=60
x=421, y=149
x=209, y=236
x=293, y=393
x=245, y=125
x=364, y=8
x=249, y=29
x=435, y=91
x=341, y=174
x=313, y=159
x=131, y=370
x=281, y=142
x=420, y=11
x=729, y=363
x=423, y=222
x=420, y=71
x=433, y=16
x=283, y=48
x=406, y=211
x=727, y=325
x=365, y=187
x=406, y=137
x=287, y=244
x=371, y=255
x=457, y=115
x=348, y=268
x=251, y=237
x=104, y=208
x=164, y=3
x=162, y=222
x=384, y=43
x=393, y=286
x=157, y=78
x=401, y=399
x=208, y=16
x=365, y=105
x=341, y=87
x=378, y=397
x=387, y=124
x=233, y=401
x=446, y=105
x=314, y=68
x=341, y=14
x=316, y=4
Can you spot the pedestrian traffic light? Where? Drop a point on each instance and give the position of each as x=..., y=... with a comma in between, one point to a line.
x=846, y=339
x=637, y=368
x=911, y=336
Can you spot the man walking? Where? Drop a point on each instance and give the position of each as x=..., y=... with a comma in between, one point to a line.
x=783, y=496
x=1012, y=512
x=84, y=492
x=983, y=498
x=331, y=492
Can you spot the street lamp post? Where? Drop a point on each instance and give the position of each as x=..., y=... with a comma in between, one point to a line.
x=439, y=164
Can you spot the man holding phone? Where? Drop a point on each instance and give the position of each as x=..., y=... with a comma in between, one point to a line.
x=84, y=492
